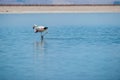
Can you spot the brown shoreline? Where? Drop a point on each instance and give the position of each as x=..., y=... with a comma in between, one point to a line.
x=59, y=8
x=59, y=4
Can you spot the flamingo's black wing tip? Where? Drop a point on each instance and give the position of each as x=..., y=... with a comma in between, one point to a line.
x=46, y=28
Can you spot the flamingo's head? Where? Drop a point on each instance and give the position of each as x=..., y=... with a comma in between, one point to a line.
x=34, y=26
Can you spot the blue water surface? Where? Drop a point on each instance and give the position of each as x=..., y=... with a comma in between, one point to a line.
x=78, y=46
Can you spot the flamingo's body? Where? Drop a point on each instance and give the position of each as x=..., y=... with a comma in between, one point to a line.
x=40, y=29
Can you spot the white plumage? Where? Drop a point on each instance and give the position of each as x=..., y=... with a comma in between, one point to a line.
x=40, y=29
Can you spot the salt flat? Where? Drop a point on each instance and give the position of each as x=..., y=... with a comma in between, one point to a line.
x=59, y=9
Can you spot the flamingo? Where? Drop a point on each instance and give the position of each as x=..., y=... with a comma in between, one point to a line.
x=40, y=29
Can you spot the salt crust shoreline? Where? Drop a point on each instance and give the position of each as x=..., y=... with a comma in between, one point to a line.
x=59, y=9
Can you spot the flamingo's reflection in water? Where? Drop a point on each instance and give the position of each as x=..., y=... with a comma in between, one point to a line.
x=39, y=50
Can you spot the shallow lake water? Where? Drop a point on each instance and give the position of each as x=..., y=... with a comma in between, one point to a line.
x=78, y=46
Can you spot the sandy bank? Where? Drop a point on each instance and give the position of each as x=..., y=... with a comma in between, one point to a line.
x=58, y=9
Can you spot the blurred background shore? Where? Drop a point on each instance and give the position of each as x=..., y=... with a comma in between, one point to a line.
x=58, y=8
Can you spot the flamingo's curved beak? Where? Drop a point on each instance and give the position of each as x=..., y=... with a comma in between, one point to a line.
x=33, y=27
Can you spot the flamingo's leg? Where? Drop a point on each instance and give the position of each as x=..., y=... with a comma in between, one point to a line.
x=42, y=36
